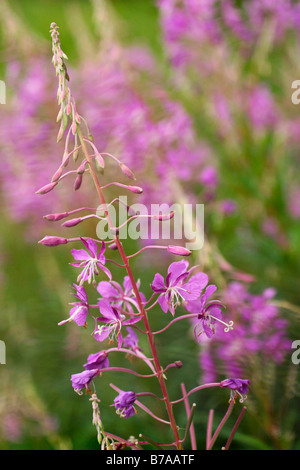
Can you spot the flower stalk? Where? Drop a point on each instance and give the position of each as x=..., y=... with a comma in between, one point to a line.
x=125, y=306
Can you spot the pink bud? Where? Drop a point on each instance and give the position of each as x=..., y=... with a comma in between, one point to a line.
x=47, y=188
x=72, y=222
x=77, y=118
x=56, y=217
x=127, y=171
x=179, y=250
x=60, y=115
x=113, y=246
x=135, y=189
x=81, y=168
x=164, y=216
x=74, y=128
x=60, y=134
x=100, y=160
x=78, y=182
x=61, y=96
x=57, y=175
x=178, y=364
x=53, y=241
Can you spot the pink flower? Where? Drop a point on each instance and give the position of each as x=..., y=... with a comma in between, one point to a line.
x=177, y=288
x=114, y=321
x=79, y=312
x=90, y=260
x=124, y=404
x=209, y=313
x=82, y=380
x=118, y=295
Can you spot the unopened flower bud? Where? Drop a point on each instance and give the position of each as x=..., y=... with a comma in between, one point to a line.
x=100, y=160
x=57, y=175
x=78, y=182
x=53, y=241
x=68, y=109
x=164, y=216
x=113, y=246
x=74, y=128
x=179, y=250
x=47, y=188
x=178, y=364
x=127, y=172
x=81, y=168
x=62, y=128
x=56, y=217
x=77, y=118
x=135, y=189
x=61, y=96
x=72, y=222
x=60, y=115
x=75, y=155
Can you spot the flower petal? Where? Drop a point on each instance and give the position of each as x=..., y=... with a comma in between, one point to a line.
x=106, y=290
x=158, y=284
x=163, y=303
x=80, y=255
x=106, y=310
x=105, y=270
x=91, y=246
x=101, y=335
x=175, y=270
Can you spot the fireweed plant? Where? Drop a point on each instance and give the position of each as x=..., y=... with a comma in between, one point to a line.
x=122, y=310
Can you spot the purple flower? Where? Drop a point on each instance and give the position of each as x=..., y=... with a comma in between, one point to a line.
x=209, y=313
x=259, y=335
x=79, y=312
x=176, y=288
x=228, y=206
x=237, y=386
x=209, y=176
x=90, y=260
x=131, y=340
x=114, y=293
x=98, y=360
x=114, y=321
x=82, y=380
x=124, y=404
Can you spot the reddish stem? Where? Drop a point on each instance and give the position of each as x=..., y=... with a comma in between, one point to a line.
x=209, y=428
x=137, y=295
x=235, y=428
x=188, y=413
